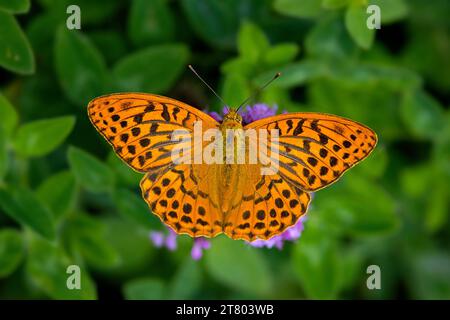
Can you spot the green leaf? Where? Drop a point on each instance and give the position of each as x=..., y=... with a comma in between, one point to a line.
x=186, y=281
x=276, y=95
x=58, y=192
x=235, y=89
x=437, y=209
x=90, y=172
x=375, y=165
x=12, y=250
x=42, y=99
x=40, y=137
x=252, y=42
x=422, y=115
x=80, y=67
x=150, y=22
x=9, y=116
x=424, y=51
x=368, y=74
x=131, y=243
x=294, y=74
x=112, y=44
x=144, y=289
x=281, y=54
x=47, y=267
x=391, y=10
x=299, y=9
x=154, y=69
x=41, y=40
x=360, y=206
x=86, y=236
x=432, y=273
x=316, y=264
x=378, y=218
x=15, y=6
x=355, y=101
x=351, y=263
x=239, y=65
x=123, y=172
x=356, y=23
x=236, y=265
x=4, y=157
x=334, y=4
x=441, y=149
x=330, y=40
x=416, y=180
x=132, y=207
x=16, y=54
x=92, y=12
x=23, y=206
x=215, y=22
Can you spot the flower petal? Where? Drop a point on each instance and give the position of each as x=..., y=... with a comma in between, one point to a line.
x=157, y=238
x=171, y=240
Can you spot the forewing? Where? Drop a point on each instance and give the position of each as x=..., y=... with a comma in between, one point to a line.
x=139, y=126
x=316, y=149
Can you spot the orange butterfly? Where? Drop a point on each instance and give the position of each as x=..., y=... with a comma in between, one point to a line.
x=208, y=199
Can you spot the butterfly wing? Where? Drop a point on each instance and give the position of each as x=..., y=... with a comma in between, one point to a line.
x=268, y=206
x=182, y=198
x=316, y=149
x=139, y=127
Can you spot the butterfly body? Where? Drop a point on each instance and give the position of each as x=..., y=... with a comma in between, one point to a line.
x=228, y=174
x=206, y=199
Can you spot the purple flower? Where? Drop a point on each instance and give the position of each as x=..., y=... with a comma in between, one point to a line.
x=249, y=113
x=171, y=240
x=258, y=111
x=157, y=238
x=215, y=116
x=200, y=244
x=290, y=234
x=160, y=239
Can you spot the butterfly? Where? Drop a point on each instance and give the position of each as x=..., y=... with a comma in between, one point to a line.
x=200, y=199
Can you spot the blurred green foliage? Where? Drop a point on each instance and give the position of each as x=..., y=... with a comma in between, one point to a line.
x=65, y=198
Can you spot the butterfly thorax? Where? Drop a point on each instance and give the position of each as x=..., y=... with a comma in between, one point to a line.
x=231, y=129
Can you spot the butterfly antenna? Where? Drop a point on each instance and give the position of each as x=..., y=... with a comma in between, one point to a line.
x=206, y=84
x=259, y=90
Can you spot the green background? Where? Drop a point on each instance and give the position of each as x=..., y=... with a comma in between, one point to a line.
x=65, y=198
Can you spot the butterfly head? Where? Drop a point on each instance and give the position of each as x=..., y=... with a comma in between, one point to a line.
x=232, y=119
